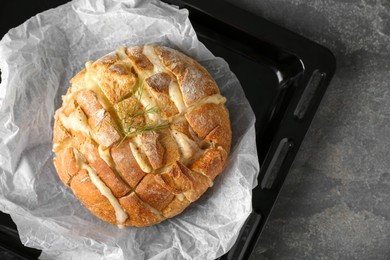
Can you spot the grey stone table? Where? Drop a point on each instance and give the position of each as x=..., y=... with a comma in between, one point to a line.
x=335, y=203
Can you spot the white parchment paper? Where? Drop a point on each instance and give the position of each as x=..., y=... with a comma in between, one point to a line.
x=37, y=60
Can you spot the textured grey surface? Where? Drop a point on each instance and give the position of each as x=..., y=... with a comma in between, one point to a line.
x=336, y=200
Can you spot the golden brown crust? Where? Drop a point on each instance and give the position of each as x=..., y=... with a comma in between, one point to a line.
x=126, y=164
x=79, y=80
x=153, y=148
x=78, y=139
x=200, y=184
x=104, y=129
x=102, y=125
x=207, y=117
x=59, y=133
x=181, y=180
x=114, y=78
x=68, y=106
x=195, y=82
x=171, y=153
x=149, y=126
x=211, y=163
x=65, y=164
x=151, y=192
x=176, y=206
x=159, y=82
x=175, y=180
x=220, y=136
x=183, y=127
x=138, y=58
x=158, y=85
x=139, y=214
x=107, y=59
x=88, y=102
x=91, y=197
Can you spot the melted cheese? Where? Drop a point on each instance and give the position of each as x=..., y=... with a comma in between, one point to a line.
x=56, y=147
x=121, y=53
x=142, y=74
x=176, y=96
x=215, y=99
x=187, y=146
x=162, y=169
x=122, y=56
x=80, y=161
x=120, y=214
x=76, y=121
x=196, y=138
x=140, y=157
x=60, y=146
x=148, y=102
x=92, y=84
x=149, y=52
x=180, y=196
x=71, y=96
x=88, y=64
x=106, y=156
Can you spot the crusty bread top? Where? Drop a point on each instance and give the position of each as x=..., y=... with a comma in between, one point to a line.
x=141, y=134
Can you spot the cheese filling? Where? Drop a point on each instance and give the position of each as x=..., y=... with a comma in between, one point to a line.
x=92, y=84
x=121, y=54
x=60, y=146
x=176, y=96
x=76, y=121
x=106, y=156
x=215, y=99
x=140, y=157
x=148, y=102
x=149, y=52
x=187, y=146
x=180, y=196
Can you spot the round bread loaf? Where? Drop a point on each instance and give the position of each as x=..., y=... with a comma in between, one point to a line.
x=142, y=133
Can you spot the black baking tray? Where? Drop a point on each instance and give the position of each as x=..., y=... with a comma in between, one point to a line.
x=284, y=77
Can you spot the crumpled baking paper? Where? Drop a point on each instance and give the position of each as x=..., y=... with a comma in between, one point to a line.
x=37, y=60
